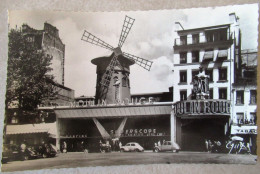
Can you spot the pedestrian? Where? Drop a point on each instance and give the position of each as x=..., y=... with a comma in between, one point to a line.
x=159, y=143
x=23, y=146
x=64, y=147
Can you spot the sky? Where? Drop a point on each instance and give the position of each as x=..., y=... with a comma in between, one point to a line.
x=151, y=37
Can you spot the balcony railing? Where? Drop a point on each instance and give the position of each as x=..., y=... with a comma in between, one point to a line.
x=181, y=41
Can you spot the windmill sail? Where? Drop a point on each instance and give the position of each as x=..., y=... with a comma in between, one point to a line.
x=88, y=37
x=146, y=64
x=128, y=23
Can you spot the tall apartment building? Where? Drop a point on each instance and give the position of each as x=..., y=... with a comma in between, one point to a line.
x=212, y=48
x=232, y=78
x=48, y=39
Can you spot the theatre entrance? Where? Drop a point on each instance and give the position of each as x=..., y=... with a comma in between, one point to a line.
x=194, y=132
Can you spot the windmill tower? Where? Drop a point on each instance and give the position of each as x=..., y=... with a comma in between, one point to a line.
x=113, y=72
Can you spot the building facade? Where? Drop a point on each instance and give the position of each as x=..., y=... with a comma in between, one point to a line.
x=40, y=126
x=212, y=49
x=48, y=40
x=244, y=95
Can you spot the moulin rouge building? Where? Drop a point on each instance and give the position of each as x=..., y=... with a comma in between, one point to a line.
x=198, y=106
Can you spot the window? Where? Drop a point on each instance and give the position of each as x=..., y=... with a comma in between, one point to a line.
x=209, y=72
x=223, y=74
x=195, y=38
x=209, y=36
x=115, y=79
x=183, y=57
x=183, y=76
x=124, y=81
x=211, y=93
x=240, y=118
x=183, y=95
x=252, y=118
x=195, y=56
x=252, y=97
x=194, y=73
x=222, y=93
x=240, y=97
x=183, y=40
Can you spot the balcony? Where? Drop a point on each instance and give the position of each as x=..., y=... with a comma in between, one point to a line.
x=203, y=41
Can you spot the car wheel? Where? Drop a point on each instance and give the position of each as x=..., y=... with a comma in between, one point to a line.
x=25, y=157
x=136, y=150
x=121, y=150
x=156, y=150
x=44, y=155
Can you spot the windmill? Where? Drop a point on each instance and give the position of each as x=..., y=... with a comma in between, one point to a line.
x=106, y=76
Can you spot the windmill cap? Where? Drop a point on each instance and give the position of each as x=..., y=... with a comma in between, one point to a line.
x=121, y=59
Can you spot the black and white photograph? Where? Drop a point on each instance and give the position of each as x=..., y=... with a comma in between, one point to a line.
x=88, y=89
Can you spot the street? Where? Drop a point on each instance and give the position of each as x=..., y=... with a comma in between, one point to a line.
x=80, y=159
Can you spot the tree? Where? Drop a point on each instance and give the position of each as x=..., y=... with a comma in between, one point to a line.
x=28, y=79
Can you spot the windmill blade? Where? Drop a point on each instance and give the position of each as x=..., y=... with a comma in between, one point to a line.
x=128, y=23
x=146, y=64
x=88, y=37
x=106, y=78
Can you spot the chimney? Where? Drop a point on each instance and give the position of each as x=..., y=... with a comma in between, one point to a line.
x=232, y=18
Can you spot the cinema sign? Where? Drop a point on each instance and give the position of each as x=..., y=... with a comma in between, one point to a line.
x=202, y=107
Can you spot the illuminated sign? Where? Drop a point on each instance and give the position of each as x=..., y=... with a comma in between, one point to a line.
x=126, y=101
x=243, y=129
x=141, y=132
x=192, y=107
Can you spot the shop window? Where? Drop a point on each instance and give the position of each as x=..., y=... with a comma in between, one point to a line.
x=240, y=97
x=195, y=56
x=183, y=57
x=14, y=120
x=195, y=38
x=252, y=97
x=222, y=74
x=209, y=72
x=211, y=93
x=183, y=95
x=222, y=93
x=252, y=118
x=183, y=76
x=240, y=118
x=124, y=80
x=183, y=40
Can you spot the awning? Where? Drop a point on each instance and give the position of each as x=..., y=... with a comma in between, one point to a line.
x=98, y=112
x=208, y=55
x=243, y=129
x=49, y=128
x=222, y=53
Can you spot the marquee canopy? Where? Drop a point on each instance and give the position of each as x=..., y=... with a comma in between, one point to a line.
x=119, y=111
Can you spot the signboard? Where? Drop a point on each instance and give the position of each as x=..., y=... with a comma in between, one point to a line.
x=243, y=129
x=195, y=107
x=141, y=132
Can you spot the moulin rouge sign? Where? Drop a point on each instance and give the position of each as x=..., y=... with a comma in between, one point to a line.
x=202, y=107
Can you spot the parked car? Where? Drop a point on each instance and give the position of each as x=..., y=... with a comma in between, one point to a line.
x=47, y=150
x=13, y=152
x=132, y=146
x=167, y=146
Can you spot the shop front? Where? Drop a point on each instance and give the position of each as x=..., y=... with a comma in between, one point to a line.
x=248, y=133
x=199, y=121
x=88, y=126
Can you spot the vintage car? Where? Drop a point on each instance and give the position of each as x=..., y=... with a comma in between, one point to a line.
x=132, y=147
x=167, y=146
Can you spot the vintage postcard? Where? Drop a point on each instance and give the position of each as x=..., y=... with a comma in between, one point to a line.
x=115, y=88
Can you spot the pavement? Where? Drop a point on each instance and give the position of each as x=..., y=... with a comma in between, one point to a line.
x=80, y=159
